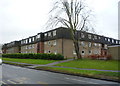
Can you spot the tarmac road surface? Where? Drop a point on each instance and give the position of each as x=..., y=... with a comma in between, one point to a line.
x=19, y=75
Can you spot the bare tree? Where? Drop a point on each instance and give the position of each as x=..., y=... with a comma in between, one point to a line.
x=73, y=14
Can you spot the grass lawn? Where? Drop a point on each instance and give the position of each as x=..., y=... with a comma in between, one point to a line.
x=89, y=73
x=30, y=61
x=93, y=64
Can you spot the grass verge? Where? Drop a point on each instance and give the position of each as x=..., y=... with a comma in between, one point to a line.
x=30, y=61
x=114, y=76
x=22, y=65
x=92, y=64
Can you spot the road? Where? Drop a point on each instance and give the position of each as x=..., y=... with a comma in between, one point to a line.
x=20, y=75
x=0, y=75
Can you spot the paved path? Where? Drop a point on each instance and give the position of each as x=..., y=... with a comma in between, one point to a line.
x=54, y=63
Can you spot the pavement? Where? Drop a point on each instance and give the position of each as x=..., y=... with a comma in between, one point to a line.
x=54, y=63
x=20, y=75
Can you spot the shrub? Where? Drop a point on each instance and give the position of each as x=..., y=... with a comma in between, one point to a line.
x=35, y=56
x=105, y=57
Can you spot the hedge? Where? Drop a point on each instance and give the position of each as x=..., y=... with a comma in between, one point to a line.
x=35, y=56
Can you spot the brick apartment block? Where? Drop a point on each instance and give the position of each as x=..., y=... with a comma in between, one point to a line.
x=59, y=41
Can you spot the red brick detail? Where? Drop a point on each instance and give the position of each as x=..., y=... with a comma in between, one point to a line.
x=40, y=47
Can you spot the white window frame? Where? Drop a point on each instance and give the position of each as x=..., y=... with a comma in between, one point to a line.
x=89, y=36
x=99, y=45
x=106, y=46
x=49, y=33
x=33, y=46
x=38, y=36
x=82, y=43
x=95, y=44
x=45, y=43
x=45, y=34
x=89, y=44
x=54, y=42
x=26, y=41
x=49, y=43
x=54, y=33
x=82, y=35
x=95, y=37
x=33, y=39
x=30, y=40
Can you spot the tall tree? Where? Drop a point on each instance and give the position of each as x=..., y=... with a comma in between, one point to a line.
x=74, y=15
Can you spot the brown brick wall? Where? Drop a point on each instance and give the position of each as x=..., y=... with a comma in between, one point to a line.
x=32, y=48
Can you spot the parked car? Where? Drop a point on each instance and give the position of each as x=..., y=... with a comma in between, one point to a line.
x=0, y=61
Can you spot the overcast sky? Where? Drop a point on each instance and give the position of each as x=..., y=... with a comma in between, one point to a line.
x=23, y=18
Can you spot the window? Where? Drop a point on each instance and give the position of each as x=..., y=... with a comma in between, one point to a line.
x=49, y=43
x=109, y=40
x=55, y=52
x=49, y=51
x=90, y=52
x=45, y=43
x=116, y=42
x=112, y=41
x=21, y=42
x=33, y=39
x=95, y=44
x=95, y=37
x=99, y=45
x=49, y=34
x=29, y=40
x=38, y=36
x=54, y=33
x=105, y=39
x=33, y=46
x=99, y=37
x=45, y=34
x=26, y=41
x=83, y=52
x=30, y=46
x=89, y=44
x=95, y=52
x=82, y=35
x=82, y=43
x=54, y=43
x=105, y=46
x=89, y=36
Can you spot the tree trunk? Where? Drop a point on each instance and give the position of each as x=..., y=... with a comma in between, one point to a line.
x=76, y=45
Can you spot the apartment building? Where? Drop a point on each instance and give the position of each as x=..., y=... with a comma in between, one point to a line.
x=59, y=41
x=32, y=44
x=12, y=47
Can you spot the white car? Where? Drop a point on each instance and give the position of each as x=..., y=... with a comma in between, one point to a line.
x=0, y=61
